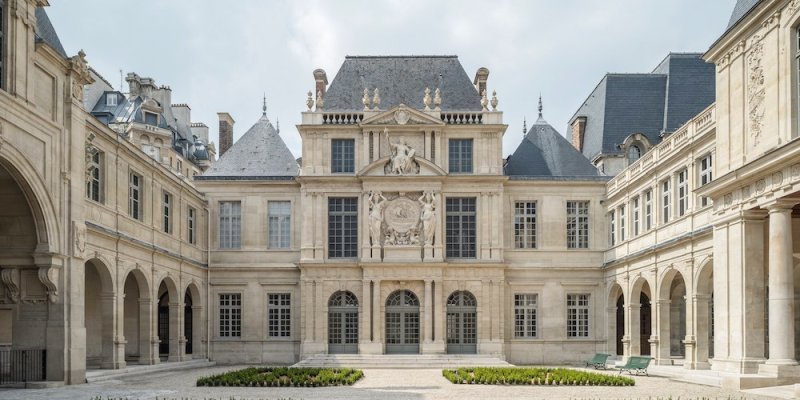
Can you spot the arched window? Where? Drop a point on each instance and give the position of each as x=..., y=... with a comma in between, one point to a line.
x=634, y=152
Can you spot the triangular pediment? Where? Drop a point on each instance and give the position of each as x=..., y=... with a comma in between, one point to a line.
x=424, y=168
x=402, y=115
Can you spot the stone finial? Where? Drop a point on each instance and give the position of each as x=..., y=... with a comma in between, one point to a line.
x=320, y=100
x=524, y=126
x=427, y=99
x=494, y=100
x=540, y=106
x=264, y=107
x=437, y=100
x=309, y=101
x=376, y=100
x=365, y=99
x=484, y=101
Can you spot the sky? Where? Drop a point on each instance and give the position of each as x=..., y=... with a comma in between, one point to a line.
x=226, y=58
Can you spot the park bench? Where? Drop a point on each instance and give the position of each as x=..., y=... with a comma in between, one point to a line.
x=598, y=361
x=636, y=365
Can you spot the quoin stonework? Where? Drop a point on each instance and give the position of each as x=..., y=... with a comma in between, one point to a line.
x=664, y=224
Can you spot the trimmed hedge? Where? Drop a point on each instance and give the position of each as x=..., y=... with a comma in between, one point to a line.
x=533, y=376
x=284, y=376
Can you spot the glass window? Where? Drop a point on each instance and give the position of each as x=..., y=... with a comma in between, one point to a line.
x=634, y=153
x=635, y=216
x=612, y=227
x=167, y=212
x=648, y=210
x=342, y=227
x=343, y=155
x=706, y=176
x=460, y=151
x=683, y=192
x=94, y=172
x=230, y=224
x=666, y=197
x=525, y=224
x=151, y=118
x=230, y=315
x=135, y=195
x=190, y=225
x=279, y=315
x=460, y=227
x=111, y=99
x=577, y=224
x=622, y=223
x=525, y=307
x=280, y=214
x=577, y=315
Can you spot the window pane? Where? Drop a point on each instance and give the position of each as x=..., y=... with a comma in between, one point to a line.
x=230, y=220
x=460, y=227
x=279, y=317
x=342, y=227
x=577, y=224
x=279, y=224
x=460, y=151
x=230, y=315
x=525, y=225
x=343, y=155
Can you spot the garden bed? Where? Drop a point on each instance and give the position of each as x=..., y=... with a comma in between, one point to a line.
x=533, y=376
x=284, y=376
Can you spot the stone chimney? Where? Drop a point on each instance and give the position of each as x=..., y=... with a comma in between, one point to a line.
x=225, y=132
x=321, y=79
x=481, y=76
x=578, y=130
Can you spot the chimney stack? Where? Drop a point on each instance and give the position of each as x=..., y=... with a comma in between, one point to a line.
x=321, y=79
x=225, y=132
x=481, y=76
x=578, y=130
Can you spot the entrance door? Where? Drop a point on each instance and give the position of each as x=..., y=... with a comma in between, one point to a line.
x=402, y=323
x=343, y=323
x=187, y=321
x=163, y=324
x=462, y=317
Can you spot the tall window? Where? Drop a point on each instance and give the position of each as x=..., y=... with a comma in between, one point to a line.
x=460, y=151
x=577, y=224
x=342, y=227
x=279, y=315
x=135, y=195
x=622, y=223
x=683, y=192
x=230, y=315
x=525, y=224
x=706, y=176
x=280, y=214
x=612, y=227
x=525, y=307
x=634, y=153
x=635, y=215
x=460, y=221
x=343, y=152
x=666, y=198
x=577, y=315
x=230, y=224
x=190, y=225
x=648, y=210
x=94, y=171
x=167, y=206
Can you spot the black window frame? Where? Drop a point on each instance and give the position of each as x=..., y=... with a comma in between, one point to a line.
x=461, y=227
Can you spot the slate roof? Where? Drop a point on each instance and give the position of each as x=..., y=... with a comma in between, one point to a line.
x=46, y=33
x=544, y=153
x=259, y=154
x=678, y=88
x=741, y=9
x=401, y=79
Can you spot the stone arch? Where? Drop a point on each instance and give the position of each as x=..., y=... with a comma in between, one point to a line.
x=616, y=318
x=671, y=297
x=641, y=316
x=136, y=317
x=36, y=194
x=193, y=321
x=402, y=324
x=100, y=303
x=703, y=304
x=343, y=329
x=168, y=304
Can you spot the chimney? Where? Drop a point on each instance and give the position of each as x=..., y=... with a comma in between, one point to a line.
x=321, y=79
x=578, y=130
x=481, y=76
x=225, y=132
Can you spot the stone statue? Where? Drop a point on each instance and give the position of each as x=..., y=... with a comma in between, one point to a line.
x=376, y=204
x=428, y=217
x=402, y=160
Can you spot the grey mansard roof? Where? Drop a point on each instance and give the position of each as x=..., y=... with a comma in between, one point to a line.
x=46, y=33
x=401, y=79
x=259, y=154
x=741, y=9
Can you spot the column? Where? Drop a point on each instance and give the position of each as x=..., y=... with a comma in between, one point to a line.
x=634, y=329
x=366, y=313
x=781, y=286
x=176, y=339
x=428, y=312
x=148, y=345
x=113, y=343
x=376, y=312
x=703, y=326
x=663, y=350
x=438, y=315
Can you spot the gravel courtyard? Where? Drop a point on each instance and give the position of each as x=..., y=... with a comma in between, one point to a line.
x=377, y=384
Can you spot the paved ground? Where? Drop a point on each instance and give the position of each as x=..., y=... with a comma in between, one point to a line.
x=377, y=384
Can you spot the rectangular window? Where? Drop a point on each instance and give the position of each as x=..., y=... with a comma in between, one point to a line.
x=612, y=227
x=135, y=195
x=525, y=224
x=343, y=153
x=94, y=172
x=230, y=224
x=460, y=227
x=151, y=118
x=190, y=225
x=706, y=176
x=577, y=315
x=683, y=192
x=577, y=224
x=635, y=216
x=648, y=210
x=111, y=99
x=622, y=223
x=342, y=227
x=167, y=212
x=460, y=151
x=279, y=315
x=666, y=198
x=230, y=315
x=280, y=214
x=525, y=307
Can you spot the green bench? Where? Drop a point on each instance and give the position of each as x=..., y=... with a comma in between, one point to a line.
x=598, y=361
x=636, y=365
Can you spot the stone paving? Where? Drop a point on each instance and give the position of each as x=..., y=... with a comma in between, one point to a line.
x=377, y=384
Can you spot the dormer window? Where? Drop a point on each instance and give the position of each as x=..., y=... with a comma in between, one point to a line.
x=111, y=100
x=151, y=118
x=634, y=153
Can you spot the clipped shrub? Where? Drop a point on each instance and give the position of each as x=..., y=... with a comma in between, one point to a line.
x=533, y=376
x=284, y=376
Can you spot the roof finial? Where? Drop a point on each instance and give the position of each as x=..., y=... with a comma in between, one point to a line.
x=540, y=105
x=264, y=107
x=524, y=126
x=278, y=125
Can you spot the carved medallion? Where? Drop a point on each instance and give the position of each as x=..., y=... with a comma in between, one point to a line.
x=402, y=214
x=402, y=116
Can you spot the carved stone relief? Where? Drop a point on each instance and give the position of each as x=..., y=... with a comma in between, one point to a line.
x=402, y=158
x=755, y=89
x=10, y=277
x=402, y=220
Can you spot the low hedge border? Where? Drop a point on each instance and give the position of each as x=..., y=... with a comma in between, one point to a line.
x=284, y=376
x=533, y=376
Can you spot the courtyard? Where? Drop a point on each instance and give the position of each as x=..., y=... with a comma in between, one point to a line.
x=376, y=384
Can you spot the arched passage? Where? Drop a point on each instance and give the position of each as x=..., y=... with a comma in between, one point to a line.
x=168, y=326
x=343, y=323
x=136, y=318
x=402, y=323
x=193, y=322
x=99, y=315
x=641, y=317
x=703, y=301
x=462, y=323
x=672, y=317
x=616, y=319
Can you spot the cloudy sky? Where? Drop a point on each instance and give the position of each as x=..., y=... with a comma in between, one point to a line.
x=224, y=58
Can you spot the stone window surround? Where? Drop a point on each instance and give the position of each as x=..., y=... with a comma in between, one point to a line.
x=96, y=162
x=191, y=225
x=138, y=200
x=534, y=216
x=682, y=205
x=218, y=208
x=514, y=307
x=167, y=208
x=612, y=227
x=589, y=309
x=291, y=309
x=621, y=216
x=332, y=156
x=326, y=225
x=475, y=214
x=705, y=173
x=588, y=232
x=636, y=214
x=647, y=210
x=217, y=314
x=471, y=141
x=291, y=215
x=665, y=187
